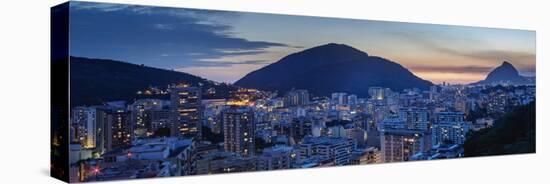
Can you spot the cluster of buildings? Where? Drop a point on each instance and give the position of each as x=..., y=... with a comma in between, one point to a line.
x=253, y=130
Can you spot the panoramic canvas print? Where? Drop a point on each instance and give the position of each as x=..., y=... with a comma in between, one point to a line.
x=147, y=92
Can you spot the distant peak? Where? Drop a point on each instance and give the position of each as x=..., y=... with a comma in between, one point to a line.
x=507, y=66
x=334, y=44
x=336, y=47
x=506, y=63
x=505, y=72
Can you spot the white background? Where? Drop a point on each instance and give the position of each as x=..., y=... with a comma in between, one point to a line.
x=24, y=91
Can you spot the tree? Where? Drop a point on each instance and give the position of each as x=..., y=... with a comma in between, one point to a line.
x=474, y=115
x=513, y=133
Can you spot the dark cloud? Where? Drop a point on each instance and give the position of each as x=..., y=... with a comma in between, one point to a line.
x=453, y=69
x=428, y=40
x=227, y=63
x=489, y=55
x=148, y=35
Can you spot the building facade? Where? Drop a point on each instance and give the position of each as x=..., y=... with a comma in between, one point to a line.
x=186, y=109
x=449, y=128
x=337, y=150
x=239, y=130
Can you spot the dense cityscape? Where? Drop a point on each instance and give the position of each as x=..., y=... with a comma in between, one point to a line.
x=145, y=92
x=254, y=130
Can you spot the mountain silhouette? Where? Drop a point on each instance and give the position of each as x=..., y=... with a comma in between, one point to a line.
x=330, y=68
x=505, y=73
x=96, y=81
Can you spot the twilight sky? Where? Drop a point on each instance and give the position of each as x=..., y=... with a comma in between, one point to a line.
x=224, y=46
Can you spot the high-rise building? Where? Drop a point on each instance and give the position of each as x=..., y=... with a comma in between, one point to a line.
x=115, y=129
x=415, y=118
x=357, y=134
x=352, y=100
x=339, y=99
x=398, y=143
x=297, y=98
x=449, y=128
x=238, y=130
x=377, y=93
x=141, y=120
x=212, y=114
x=161, y=118
x=84, y=121
x=142, y=115
x=186, y=109
x=434, y=92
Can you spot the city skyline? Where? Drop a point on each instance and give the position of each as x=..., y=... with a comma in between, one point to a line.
x=224, y=46
x=150, y=92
